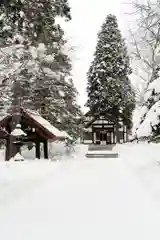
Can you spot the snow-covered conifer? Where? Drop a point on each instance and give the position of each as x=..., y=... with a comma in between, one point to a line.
x=109, y=88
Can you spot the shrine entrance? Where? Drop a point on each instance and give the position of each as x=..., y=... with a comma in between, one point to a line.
x=100, y=129
x=103, y=137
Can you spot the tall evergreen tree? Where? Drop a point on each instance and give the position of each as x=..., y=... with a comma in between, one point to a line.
x=109, y=89
x=34, y=64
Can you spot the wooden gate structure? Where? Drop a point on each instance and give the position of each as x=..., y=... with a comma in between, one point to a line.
x=37, y=130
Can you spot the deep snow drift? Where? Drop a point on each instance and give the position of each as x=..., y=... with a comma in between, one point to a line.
x=79, y=198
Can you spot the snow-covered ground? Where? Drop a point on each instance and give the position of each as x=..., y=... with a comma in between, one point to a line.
x=79, y=198
x=143, y=160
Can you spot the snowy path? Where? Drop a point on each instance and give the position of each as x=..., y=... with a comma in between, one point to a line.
x=83, y=199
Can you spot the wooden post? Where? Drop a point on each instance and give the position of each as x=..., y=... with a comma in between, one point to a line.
x=127, y=135
x=92, y=137
x=7, y=153
x=117, y=133
x=45, y=144
x=124, y=140
x=18, y=148
x=114, y=134
x=10, y=148
x=38, y=154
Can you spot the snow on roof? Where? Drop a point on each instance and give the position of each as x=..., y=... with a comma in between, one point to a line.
x=43, y=122
x=18, y=132
x=66, y=135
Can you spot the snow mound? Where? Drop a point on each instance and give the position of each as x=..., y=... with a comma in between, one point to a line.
x=144, y=162
x=149, y=115
x=151, y=120
x=18, y=157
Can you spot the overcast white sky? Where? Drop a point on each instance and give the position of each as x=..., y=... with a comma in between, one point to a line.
x=87, y=17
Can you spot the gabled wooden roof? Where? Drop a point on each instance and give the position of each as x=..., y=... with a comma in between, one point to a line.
x=35, y=120
x=44, y=124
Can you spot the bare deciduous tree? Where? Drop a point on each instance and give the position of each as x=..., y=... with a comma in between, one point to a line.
x=146, y=40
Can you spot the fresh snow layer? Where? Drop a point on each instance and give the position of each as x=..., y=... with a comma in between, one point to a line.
x=81, y=198
x=66, y=135
x=101, y=152
x=18, y=132
x=18, y=157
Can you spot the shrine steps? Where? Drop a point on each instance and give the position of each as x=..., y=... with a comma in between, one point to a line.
x=107, y=155
x=97, y=147
x=101, y=151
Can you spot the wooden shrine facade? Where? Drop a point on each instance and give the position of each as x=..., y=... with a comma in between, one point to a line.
x=37, y=130
x=100, y=130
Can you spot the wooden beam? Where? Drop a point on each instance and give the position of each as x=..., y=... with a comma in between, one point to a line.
x=127, y=135
x=117, y=133
x=11, y=149
x=7, y=152
x=124, y=135
x=92, y=135
x=45, y=144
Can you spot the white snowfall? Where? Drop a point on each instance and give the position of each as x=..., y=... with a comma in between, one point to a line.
x=82, y=199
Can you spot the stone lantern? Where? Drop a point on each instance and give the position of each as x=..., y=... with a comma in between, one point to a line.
x=18, y=135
